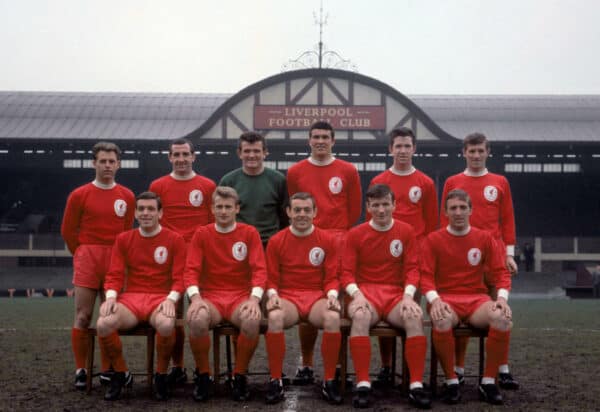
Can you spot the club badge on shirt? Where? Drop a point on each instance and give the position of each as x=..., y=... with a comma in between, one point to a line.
x=239, y=250
x=160, y=255
x=335, y=185
x=490, y=193
x=196, y=197
x=415, y=193
x=474, y=256
x=316, y=256
x=120, y=207
x=396, y=247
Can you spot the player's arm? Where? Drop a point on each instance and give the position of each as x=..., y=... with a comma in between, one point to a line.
x=348, y=280
x=258, y=272
x=443, y=217
x=130, y=213
x=282, y=202
x=354, y=197
x=273, y=274
x=495, y=268
x=209, y=195
x=430, y=208
x=507, y=224
x=410, y=266
x=115, y=277
x=331, y=281
x=71, y=220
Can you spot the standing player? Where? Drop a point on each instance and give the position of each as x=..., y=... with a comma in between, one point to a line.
x=416, y=204
x=492, y=211
x=186, y=198
x=381, y=275
x=94, y=215
x=225, y=277
x=302, y=285
x=458, y=262
x=263, y=192
x=335, y=185
x=148, y=264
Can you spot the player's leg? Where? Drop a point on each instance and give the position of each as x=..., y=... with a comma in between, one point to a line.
x=165, y=342
x=415, y=350
x=85, y=298
x=178, y=375
x=110, y=342
x=496, y=347
x=328, y=320
x=443, y=343
x=199, y=322
x=307, y=334
x=278, y=319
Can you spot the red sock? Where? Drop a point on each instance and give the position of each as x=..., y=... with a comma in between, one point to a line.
x=114, y=351
x=415, y=352
x=275, y=352
x=460, y=350
x=496, y=349
x=200, y=347
x=443, y=343
x=177, y=354
x=164, y=349
x=360, y=348
x=504, y=360
x=386, y=345
x=330, y=351
x=245, y=350
x=79, y=343
x=308, y=336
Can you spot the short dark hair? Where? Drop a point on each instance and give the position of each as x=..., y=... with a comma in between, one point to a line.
x=149, y=196
x=379, y=191
x=303, y=196
x=402, y=132
x=180, y=141
x=476, y=138
x=226, y=192
x=322, y=125
x=458, y=194
x=252, y=137
x=106, y=147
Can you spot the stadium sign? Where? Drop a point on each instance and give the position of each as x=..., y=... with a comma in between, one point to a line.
x=274, y=117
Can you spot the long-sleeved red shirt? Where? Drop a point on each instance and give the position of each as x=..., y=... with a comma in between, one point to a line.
x=416, y=199
x=302, y=262
x=186, y=203
x=454, y=264
x=382, y=257
x=95, y=216
x=335, y=187
x=492, y=204
x=225, y=261
x=147, y=264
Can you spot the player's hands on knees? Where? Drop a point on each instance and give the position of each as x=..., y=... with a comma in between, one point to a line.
x=409, y=308
x=511, y=265
x=167, y=307
x=196, y=305
x=273, y=303
x=108, y=307
x=333, y=304
x=250, y=309
x=501, y=305
x=439, y=310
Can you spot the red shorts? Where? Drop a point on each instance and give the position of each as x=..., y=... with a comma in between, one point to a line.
x=302, y=299
x=226, y=302
x=90, y=265
x=383, y=298
x=142, y=305
x=465, y=305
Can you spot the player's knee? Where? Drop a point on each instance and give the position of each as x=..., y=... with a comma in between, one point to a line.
x=198, y=325
x=105, y=325
x=442, y=325
x=331, y=321
x=83, y=319
x=275, y=318
x=250, y=327
x=499, y=321
x=413, y=325
x=165, y=326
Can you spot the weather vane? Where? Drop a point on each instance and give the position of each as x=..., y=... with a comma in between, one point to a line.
x=320, y=57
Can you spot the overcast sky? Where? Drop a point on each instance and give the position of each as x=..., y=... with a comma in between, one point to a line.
x=415, y=46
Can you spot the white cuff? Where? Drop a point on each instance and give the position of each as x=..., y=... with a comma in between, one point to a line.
x=351, y=289
x=257, y=292
x=174, y=296
x=193, y=290
x=510, y=250
x=110, y=293
x=503, y=293
x=410, y=290
x=431, y=296
x=332, y=294
x=271, y=292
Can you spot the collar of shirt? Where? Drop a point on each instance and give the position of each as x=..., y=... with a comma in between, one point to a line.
x=227, y=229
x=403, y=172
x=302, y=234
x=187, y=177
x=381, y=228
x=316, y=162
x=468, y=172
x=463, y=232
x=150, y=234
x=101, y=185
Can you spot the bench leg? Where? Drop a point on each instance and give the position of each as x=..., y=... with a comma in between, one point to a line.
x=150, y=358
x=216, y=357
x=481, y=356
x=344, y=363
x=90, y=361
x=433, y=364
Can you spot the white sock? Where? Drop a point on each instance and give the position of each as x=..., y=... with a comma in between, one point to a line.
x=503, y=369
x=459, y=370
x=415, y=385
x=365, y=384
x=453, y=381
x=488, y=381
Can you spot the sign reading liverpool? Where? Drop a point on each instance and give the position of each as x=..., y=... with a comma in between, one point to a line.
x=270, y=117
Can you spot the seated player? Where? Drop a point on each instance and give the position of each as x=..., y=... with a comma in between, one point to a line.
x=150, y=262
x=455, y=260
x=380, y=275
x=225, y=276
x=302, y=285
